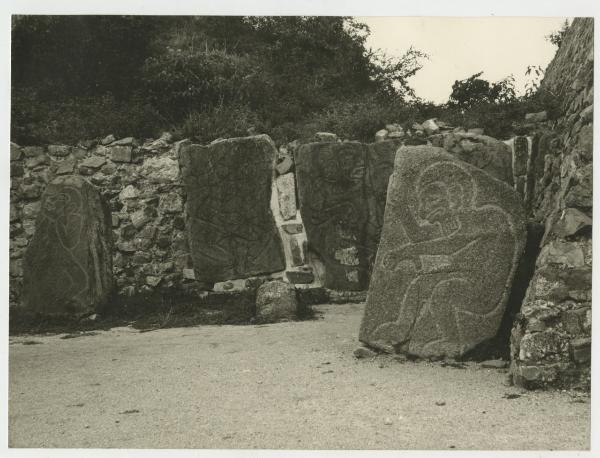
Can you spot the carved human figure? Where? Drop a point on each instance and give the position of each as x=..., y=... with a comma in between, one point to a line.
x=64, y=223
x=455, y=266
x=67, y=266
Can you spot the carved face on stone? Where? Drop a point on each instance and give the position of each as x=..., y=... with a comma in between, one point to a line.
x=435, y=204
x=443, y=194
x=62, y=204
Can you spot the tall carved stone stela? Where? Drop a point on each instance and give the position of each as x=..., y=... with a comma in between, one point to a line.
x=231, y=229
x=342, y=190
x=450, y=244
x=68, y=264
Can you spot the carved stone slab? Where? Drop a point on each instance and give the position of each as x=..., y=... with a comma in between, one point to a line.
x=231, y=229
x=331, y=188
x=450, y=244
x=68, y=264
x=380, y=164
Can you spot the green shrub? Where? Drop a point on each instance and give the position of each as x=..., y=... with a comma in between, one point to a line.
x=36, y=122
x=221, y=121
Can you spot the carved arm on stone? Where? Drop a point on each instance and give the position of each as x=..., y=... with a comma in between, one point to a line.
x=415, y=231
x=412, y=253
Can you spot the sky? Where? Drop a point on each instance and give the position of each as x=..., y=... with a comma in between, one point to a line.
x=460, y=47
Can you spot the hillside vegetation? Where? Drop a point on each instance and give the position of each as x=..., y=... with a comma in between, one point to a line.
x=80, y=77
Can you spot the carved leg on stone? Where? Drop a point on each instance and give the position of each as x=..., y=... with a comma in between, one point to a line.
x=417, y=294
x=439, y=332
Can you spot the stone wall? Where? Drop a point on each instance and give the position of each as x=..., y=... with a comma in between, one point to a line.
x=551, y=339
x=140, y=183
x=150, y=187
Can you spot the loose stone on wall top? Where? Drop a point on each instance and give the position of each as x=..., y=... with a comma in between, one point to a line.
x=487, y=153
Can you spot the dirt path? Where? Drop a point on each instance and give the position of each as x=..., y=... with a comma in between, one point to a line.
x=286, y=385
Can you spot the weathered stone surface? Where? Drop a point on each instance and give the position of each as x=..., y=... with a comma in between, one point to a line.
x=128, y=192
x=379, y=167
x=94, y=162
x=292, y=228
x=286, y=192
x=486, y=153
x=59, y=150
x=362, y=352
x=450, y=244
x=580, y=194
x=581, y=349
x=189, y=274
x=331, y=194
x=296, y=251
x=108, y=139
x=123, y=141
x=299, y=277
x=121, y=153
x=572, y=222
x=430, y=126
x=98, y=150
x=30, y=211
x=567, y=254
x=381, y=135
x=15, y=152
x=231, y=229
x=285, y=165
x=275, y=300
x=326, y=137
x=68, y=264
x=520, y=156
x=160, y=169
x=32, y=151
x=170, y=203
x=14, y=213
x=31, y=190
x=395, y=135
x=394, y=128
x=139, y=219
x=36, y=161
x=476, y=131
x=557, y=308
x=65, y=167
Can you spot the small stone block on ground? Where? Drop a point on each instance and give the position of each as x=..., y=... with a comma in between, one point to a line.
x=275, y=300
x=300, y=276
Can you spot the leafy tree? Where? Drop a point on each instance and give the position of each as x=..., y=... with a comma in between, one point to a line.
x=177, y=71
x=535, y=74
x=556, y=37
x=474, y=91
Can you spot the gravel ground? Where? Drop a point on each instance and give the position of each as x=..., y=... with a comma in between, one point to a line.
x=283, y=386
